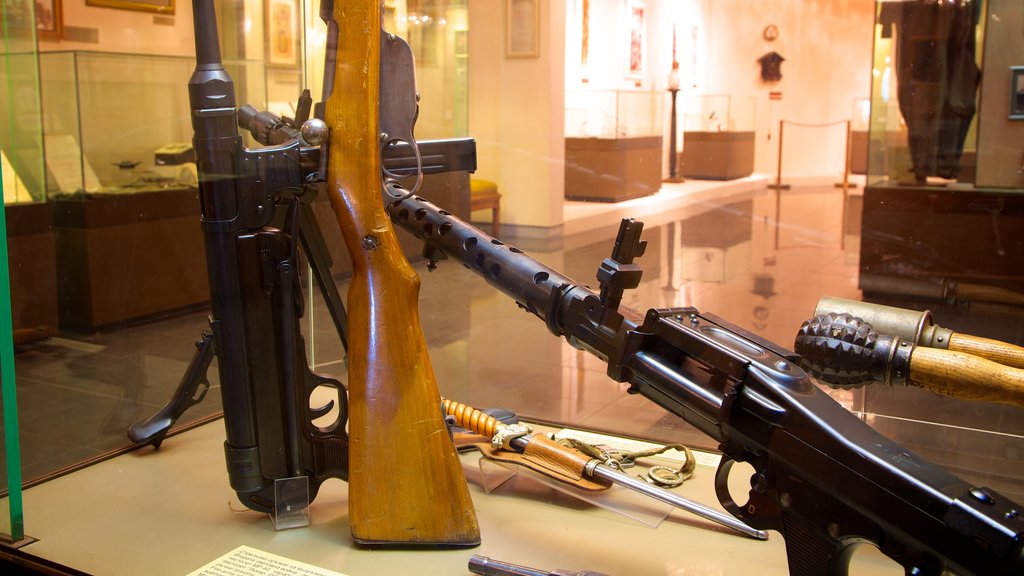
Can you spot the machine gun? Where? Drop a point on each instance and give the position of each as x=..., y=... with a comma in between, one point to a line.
x=822, y=477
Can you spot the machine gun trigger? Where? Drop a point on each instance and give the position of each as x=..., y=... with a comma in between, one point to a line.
x=759, y=510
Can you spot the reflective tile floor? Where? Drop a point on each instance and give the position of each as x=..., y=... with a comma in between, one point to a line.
x=753, y=256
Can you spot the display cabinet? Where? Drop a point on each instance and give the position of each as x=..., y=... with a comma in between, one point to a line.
x=121, y=174
x=718, y=137
x=944, y=189
x=132, y=272
x=107, y=117
x=613, y=144
x=943, y=207
x=30, y=241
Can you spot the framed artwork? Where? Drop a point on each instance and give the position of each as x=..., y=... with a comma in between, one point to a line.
x=161, y=6
x=1016, y=92
x=636, y=18
x=522, y=28
x=282, y=33
x=49, y=19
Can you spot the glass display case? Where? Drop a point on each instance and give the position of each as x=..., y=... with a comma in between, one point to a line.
x=943, y=208
x=718, y=113
x=120, y=169
x=120, y=123
x=612, y=113
x=718, y=137
x=613, y=144
x=740, y=263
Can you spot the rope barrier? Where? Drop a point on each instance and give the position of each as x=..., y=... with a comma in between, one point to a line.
x=824, y=125
x=845, y=184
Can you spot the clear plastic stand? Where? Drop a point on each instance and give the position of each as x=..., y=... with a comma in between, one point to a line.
x=622, y=501
x=291, y=503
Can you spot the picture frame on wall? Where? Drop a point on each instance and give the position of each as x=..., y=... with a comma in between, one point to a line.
x=522, y=28
x=49, y=19
x=1016, y=92
x=160, y=6
x=636, y=25
x=282, y=33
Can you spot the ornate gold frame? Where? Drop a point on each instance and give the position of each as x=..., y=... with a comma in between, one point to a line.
x=159, y=6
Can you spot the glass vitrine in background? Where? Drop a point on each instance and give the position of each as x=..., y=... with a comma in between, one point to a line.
x=613, y=144
x=718, y=137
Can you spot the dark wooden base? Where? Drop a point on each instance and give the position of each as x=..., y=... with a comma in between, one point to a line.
x=612, y=169
x=944, y=234
x=718, y=155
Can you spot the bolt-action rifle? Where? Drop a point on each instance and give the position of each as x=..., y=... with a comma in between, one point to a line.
x=395, y=423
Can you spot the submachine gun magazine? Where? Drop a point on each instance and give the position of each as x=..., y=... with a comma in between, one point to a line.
x=822, y=477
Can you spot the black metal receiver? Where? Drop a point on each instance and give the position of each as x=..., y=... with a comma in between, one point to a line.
x=823, y=478
x=255, y=208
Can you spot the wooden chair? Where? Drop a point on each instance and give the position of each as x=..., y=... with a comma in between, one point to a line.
x=483, y=195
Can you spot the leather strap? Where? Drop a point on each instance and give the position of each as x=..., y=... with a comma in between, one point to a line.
x=549, y=458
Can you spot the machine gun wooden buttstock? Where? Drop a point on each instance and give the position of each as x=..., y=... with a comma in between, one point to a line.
x=406, y=485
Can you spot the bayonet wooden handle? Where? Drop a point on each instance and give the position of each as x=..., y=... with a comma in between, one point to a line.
x=406, y=485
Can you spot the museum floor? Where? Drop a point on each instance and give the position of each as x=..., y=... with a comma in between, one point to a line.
x=754, y=256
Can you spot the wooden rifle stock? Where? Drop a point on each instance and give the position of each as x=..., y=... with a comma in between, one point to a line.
x=406, y=485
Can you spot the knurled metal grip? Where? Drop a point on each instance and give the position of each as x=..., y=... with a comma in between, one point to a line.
x=846, y=352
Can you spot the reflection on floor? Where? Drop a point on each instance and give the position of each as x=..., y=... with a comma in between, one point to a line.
x=748, y=254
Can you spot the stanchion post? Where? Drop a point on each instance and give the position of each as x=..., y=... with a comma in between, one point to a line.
x=849, y=160
x=778, y=172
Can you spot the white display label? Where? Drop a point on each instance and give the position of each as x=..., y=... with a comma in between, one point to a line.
x=246, y=561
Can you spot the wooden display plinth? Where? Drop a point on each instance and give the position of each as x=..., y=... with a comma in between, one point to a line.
x=136, y=256
x=126, y=257
x=612, y=169
x=33, y=271
x=942, y=233
x=718, y=155
x=859, y=152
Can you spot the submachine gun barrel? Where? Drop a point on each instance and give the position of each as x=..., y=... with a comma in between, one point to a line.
x=822, y=477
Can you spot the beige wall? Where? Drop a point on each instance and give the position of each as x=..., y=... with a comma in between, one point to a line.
x=129, y=31
x=517, y=117
x=516, y=113
x=827, y=47
x=516, y=106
